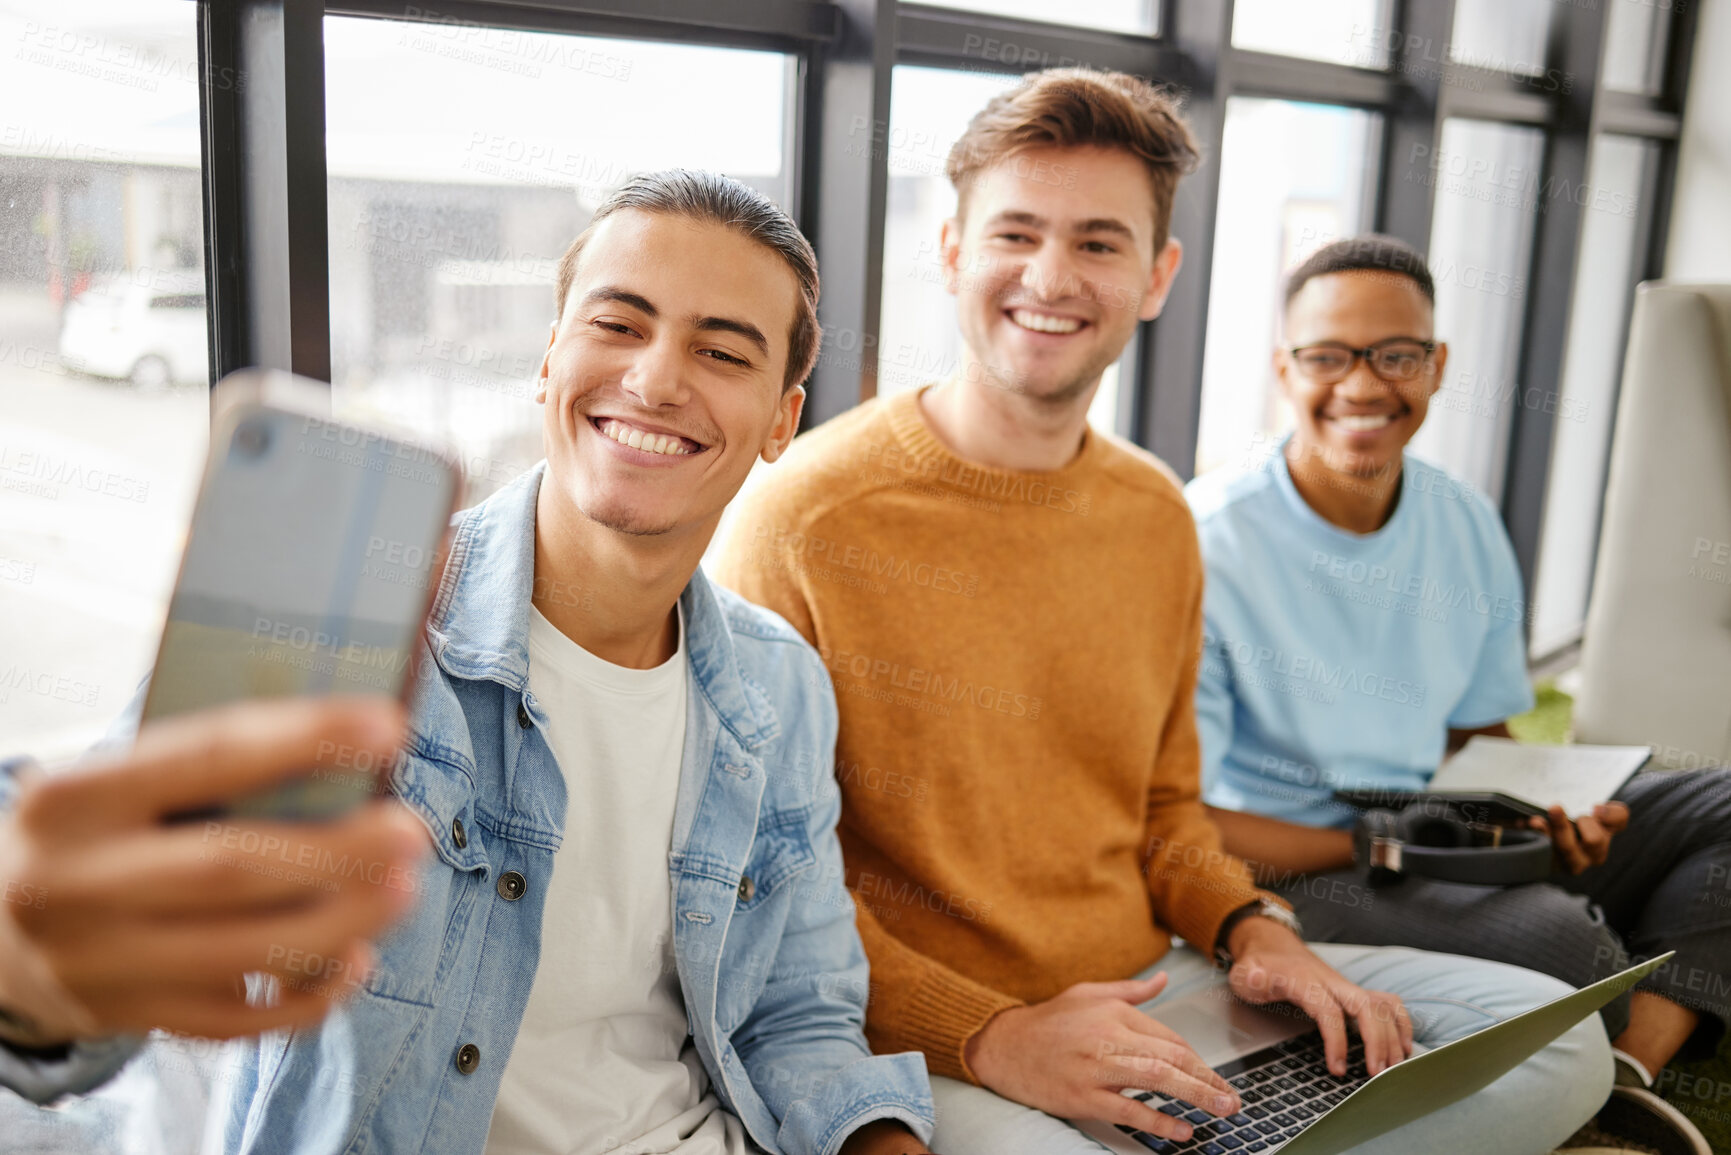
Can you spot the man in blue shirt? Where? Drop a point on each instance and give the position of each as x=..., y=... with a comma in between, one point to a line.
x=1363, y=617
x=632, y=932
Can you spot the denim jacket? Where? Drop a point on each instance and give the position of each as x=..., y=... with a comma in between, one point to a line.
x=770, y=965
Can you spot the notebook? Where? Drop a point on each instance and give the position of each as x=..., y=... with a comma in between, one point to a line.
x=1527, y=777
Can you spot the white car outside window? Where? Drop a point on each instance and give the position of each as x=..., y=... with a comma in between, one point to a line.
x=149, y=330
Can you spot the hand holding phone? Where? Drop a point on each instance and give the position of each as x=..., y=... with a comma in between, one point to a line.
x=186, y=909
x=278, y=696
x=311, y=561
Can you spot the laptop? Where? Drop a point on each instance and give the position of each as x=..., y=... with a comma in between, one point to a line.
x=1273, y=1057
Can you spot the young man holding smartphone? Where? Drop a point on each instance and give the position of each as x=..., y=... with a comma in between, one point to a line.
x=1011, y=607
x=633, y=933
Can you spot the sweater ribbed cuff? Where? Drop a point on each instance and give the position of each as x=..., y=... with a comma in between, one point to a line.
x=939, y=1018
x=1201, y=909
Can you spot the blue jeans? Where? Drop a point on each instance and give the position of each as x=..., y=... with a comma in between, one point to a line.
x=1526, y=1112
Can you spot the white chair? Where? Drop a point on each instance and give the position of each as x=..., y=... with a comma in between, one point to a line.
x=1656, y=651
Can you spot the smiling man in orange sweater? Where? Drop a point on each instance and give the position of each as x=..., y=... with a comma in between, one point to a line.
x=1010, y=607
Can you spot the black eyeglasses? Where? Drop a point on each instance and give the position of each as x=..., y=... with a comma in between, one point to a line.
x=1397, y=359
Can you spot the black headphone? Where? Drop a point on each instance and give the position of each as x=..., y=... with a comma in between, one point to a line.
x=1430, y=840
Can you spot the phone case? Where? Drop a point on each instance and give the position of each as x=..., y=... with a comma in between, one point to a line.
x=210, y=655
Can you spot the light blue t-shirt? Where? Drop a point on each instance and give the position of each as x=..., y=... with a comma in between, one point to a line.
x=1332, y=659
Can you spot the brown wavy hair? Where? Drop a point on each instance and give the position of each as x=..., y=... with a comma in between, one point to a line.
x=1065, y=107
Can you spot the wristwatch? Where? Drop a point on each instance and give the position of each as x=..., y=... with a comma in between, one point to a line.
x=1261, y=908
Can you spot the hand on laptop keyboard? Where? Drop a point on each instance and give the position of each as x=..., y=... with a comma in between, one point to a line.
x=1070, y=1055
x=1273, y=965
x=1284, y=1088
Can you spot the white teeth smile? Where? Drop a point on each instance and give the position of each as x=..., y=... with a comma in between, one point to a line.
x=1362, y=422
x=1044, y=323
x=648, y=442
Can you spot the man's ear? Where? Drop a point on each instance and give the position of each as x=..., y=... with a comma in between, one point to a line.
x=541, y=375
x=1441, y=357
x=950, y=253
x=791, y=405
x=1160, y=279
x=1284, y=371
x=1281, y=360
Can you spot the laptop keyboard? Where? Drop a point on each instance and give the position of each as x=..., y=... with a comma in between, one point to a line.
x=1284, y=1088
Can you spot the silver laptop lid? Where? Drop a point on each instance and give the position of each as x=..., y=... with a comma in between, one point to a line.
x=1221, y=1029
x=1433, y=1080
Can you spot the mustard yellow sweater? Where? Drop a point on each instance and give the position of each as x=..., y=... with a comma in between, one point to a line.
x=1014, y=655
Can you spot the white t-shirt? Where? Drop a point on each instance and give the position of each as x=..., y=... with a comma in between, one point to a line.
x=602, y=1062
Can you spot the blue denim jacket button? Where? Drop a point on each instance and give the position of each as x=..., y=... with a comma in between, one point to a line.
x=747, y=888
x=468, y=1058
x=512, y=886
x=457, y=833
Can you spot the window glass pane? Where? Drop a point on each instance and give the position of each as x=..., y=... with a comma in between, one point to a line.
x=1292, y=178
x=918, y=341
x=1139, y=16
x=1636, y=36
x=1354, y=32
x=1502, y=35
x=104, y=401
x=1605, y=278
x=1485, y=180
x=459, y=172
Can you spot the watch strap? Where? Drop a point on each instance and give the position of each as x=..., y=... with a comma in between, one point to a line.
x=1259, y=908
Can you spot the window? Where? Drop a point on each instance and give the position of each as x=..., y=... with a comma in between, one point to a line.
x=918, y=340
x=1354, y=32
x=462, y=158
x=458, y=175
x=1605, y=279
x=1293, y=177
x=1505, y=36
x=103, y=370
x=1139, y=16
x=929, y=110
x=1637, y=33
x=1487, y=182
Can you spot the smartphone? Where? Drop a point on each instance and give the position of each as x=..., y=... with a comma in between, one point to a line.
x=312, y=559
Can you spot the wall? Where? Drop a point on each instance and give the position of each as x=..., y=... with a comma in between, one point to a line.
x=1699, y=247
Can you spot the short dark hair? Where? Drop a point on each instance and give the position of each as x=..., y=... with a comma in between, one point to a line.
x=708, y=196
x=1372, y=252
x=1068, y=107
